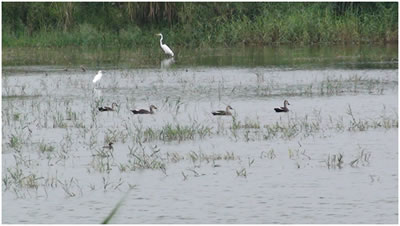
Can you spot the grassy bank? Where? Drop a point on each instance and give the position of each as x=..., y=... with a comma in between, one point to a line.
x=196, y=24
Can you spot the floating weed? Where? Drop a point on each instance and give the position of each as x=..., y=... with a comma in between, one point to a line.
x=111, y=135
x=335, y=161
x=362, y=158
x=15, y=142
x=106, y=182
x=374, y=178
x=195, y=173
x=102, y=160
x=214, y=164
x=45, y=148
x=70, y=187
x=52, y=181
x=185, y=177
x=15, y=178
x=92, y=187
x=31, y=181
x=180, y=133
x=16, y=116
x=144, y=159
x=173, y=132
x=250, y=162
x=241, y=173
x=363, y=125
x=58, y=121
x=174, y=157
x=270, y=154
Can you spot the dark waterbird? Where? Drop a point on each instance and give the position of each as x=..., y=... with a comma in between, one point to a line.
x=109, y=146
x=144, y=111
x=106, y=108
x=284, y=108
x=221, y=112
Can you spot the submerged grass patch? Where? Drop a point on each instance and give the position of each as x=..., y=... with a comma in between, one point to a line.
x=172, y=132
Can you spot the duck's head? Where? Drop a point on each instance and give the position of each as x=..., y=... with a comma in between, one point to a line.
x=114, y=105
x=159, y=34
x=153, y=107
x=229, y=107
x=286, y=102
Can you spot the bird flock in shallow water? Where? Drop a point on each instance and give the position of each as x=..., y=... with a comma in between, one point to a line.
x=227, y=111
x=169, y=52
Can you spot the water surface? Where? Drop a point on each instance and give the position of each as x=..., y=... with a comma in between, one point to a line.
x=184, y=165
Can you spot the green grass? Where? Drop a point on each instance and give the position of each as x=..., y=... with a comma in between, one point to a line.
x=173, y=132
x=133, y=25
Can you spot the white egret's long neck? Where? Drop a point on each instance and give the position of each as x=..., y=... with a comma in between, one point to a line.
x=161, y=40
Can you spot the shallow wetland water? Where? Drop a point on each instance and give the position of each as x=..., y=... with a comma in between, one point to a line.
x=331, y=159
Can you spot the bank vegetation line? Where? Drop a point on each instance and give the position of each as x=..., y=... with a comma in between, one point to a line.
x=196, y=24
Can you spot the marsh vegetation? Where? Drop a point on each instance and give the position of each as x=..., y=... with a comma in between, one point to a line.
x=195, y=24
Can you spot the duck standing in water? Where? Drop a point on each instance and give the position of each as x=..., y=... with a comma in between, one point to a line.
x=112, y=108
x=221, y=112
x=284, y=108
x=144, y=111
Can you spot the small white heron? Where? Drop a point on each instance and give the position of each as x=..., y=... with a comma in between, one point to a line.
x=98, y=76
x=164, y=47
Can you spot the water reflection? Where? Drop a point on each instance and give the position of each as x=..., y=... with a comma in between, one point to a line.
x=347, y=57
x=97, y=93
x=166, y=63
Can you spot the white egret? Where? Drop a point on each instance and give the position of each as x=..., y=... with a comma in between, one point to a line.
x=98, y=76
x=164, y=47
